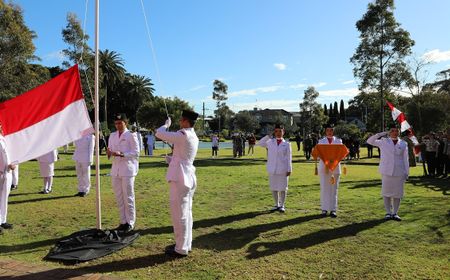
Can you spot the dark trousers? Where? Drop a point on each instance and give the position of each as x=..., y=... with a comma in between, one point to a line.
x=369, y=152
x=431, y=162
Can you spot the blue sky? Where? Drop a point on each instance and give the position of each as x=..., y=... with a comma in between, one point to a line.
x=267, y=52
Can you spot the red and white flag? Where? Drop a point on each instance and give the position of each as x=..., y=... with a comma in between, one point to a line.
x=399, y=116
x=46, y=117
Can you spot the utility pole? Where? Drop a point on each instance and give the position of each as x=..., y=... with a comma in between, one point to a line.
x=203, y=117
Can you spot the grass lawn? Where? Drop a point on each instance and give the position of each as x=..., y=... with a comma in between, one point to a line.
x=234, y=235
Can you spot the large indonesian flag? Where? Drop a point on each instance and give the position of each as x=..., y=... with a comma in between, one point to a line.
x=46, y=117
x=330, y=154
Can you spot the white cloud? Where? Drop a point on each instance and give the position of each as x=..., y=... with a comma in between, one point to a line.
x=57, y=55
x=346, y=92
x=255, y=91
x=298, y=86
x=280, y=66
x=288, y=105
x=196, y=88
x=318, y=85
x=436, y=55
x=348, y=82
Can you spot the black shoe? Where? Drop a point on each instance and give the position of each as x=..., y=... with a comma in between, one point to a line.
x=387, y=217
x=275, y=208
x=127, y=228
x=82, y=194
x=121, y=227
x=170, y=251
x=13, y=187
x=324, y=213
x=396, y=217
x=77, y=194
x=282, y=209
x=333, y=214
x=6, y=226
x=44, y=192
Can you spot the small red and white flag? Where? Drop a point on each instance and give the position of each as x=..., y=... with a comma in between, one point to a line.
x=46, y=117
x=400, y=117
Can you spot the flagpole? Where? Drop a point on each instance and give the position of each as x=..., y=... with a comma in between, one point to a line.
x=97, y=122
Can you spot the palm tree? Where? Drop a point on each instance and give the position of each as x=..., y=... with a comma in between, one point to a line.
x=113, y=73
x=139, y=90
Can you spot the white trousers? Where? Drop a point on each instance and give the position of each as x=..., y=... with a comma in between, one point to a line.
x=181, y=213
x=15, y=176
x=329, y=192
x=5, y=188
x=84, y=176
x=124, y=190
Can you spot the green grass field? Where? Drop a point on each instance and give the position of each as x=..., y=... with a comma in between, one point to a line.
x=234, y=235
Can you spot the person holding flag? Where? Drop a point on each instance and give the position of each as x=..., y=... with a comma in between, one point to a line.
x=5, y=181
x=331, y=156
x=394, y=169
x=123, y=147
x=182, y=179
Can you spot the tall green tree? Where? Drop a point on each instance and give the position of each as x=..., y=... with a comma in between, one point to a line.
x=335, y=113
x=79, y=52
x=152, y=114
x=220, y=95
x=379, y=58
x=311, y=112
x=325, y=110
x=16, y=52
x=341, y=111
x=130, y=95
x=245, y=122
x=113, y=73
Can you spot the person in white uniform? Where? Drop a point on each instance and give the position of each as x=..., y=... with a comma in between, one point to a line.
x=394, y=169
x=182, y=180
x=15, y=178
x=83, y=157
x=279, y=166
x=5, y=181
x=123, y=147
x=47, y=168
x=328, y=190
x=150, y=143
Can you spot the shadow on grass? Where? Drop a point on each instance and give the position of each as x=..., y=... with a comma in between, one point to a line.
x=231, y=239
x=435, y=184
x=27, y=246
x=20, y=194
x=229, y=161
x=364, y=184
x=263, y=249
x=47, y=197
x=80, y=273
x=205, y=223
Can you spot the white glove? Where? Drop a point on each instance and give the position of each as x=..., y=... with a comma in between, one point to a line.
x=168, y=122
x=168, y=159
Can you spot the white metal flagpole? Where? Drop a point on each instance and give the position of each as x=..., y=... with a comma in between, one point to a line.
x=97, y=122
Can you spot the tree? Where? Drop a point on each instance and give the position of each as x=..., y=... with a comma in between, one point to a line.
x=325, y=110
x=219, y=94
x=335, y=113
x=341, y=111
x=152, y=114
x=378, y=60
x=245, y=122
x=130, y=95
x=113, y=73
x=79, y=52
x=311, y=113
x=16, y=51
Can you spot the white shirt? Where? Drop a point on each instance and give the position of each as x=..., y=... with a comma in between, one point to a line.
x=127, y=143
x=181, y=166
x=279, y=156
x=84, y=149
x=393, y=158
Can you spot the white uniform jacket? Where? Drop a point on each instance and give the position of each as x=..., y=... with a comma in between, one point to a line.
x=181, y=167
x=127, y=143
x=49, y=157
x=279, y=157
x=4, y=158
x=388, y=151
x=322, y=168
x=84, y=149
